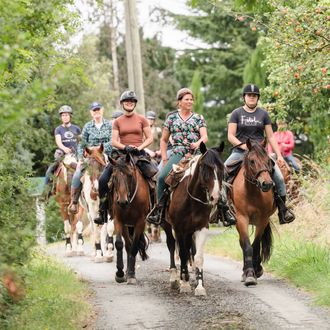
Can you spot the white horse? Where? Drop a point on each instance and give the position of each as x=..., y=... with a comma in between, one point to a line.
x=102, y=235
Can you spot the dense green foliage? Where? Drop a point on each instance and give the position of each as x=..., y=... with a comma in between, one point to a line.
x=54, y=297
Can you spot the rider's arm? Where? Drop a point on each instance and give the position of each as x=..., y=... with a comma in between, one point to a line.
x=203, y=138
x=148, y=138
x=163, y=143
x=58, y=140
x=272, y=141
x=232, y=129
x=116, y=141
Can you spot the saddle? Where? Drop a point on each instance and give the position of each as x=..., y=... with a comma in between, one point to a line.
x=177, y=172
x=232, y=170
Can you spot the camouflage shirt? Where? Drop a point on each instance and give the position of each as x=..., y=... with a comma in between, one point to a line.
x=92, y=136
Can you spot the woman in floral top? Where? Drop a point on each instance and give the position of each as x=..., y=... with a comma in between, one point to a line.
x=187, y=130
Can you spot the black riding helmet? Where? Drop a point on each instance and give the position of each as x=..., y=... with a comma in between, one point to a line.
x=128, y=95
x=251, y=89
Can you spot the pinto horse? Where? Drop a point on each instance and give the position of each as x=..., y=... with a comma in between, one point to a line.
x=72, y=226
x=130, y=203
x=89, y=200
x=253, y=199
x=189, y=211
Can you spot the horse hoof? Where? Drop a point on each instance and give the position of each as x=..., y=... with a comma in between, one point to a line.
x=120, y=279
x=250, y=281
x=98, y=259
x=69, y=254
x=80, y=253
x=200, y=291
x=259, y=272
x=131, y=281
x=174, y=284
x=108, y=258
x=243, y=278
x=185, y=287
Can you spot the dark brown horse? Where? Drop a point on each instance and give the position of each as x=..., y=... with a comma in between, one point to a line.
x=130, y=204
x=253, y=199
x=189, y=212
x=72, y=226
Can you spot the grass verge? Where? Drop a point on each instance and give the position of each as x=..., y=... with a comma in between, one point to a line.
x=55, y=298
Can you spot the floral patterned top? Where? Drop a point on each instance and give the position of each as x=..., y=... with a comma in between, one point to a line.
x=184, y=132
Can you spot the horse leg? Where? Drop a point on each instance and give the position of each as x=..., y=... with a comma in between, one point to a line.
x=68, y=245
x=200, y=239
x=79, y=230
x=120, y=275
x=97, y=239
x=109, y=241
x=256, y=260
x=184, y=274
x=248, y=276
x=155, y=233
x=170, y=242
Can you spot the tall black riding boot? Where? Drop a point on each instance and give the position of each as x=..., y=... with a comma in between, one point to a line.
x=285, y=215
x=155, y=215
x=225, y=215
x=103, y=212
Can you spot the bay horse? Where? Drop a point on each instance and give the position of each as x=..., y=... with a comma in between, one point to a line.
x=129, y=205
x=102, y=239
x=73, y=227
x=189, y=210
x=253, y=199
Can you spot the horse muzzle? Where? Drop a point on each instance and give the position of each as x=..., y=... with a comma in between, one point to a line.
x=123, y=203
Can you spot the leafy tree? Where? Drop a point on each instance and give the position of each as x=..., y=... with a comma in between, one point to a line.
x=226, y=46
x=196, y=87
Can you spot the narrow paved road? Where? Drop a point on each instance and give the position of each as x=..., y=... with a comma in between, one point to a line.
x=152, y=304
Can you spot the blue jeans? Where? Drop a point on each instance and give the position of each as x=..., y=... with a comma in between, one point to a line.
x=76, y=183
x=238, y=154
x=161, y=185
x=292, y=162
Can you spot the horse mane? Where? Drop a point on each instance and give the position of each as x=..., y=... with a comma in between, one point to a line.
x=210, y=160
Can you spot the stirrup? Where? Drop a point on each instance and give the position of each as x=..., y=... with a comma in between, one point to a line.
x=287, y=217
x=73, y=208
x=154, y=219
x=228, y=219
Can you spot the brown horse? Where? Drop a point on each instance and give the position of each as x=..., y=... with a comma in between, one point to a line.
x=130, y=204
x=189, y=210
x=72, y=227
x=253, y=199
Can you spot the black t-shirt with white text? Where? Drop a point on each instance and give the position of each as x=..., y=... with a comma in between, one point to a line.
x=250, y=124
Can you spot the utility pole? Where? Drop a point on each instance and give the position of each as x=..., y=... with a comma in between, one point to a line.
x=133, y=54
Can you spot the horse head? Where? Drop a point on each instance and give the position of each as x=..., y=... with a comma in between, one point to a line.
x=96, y=161
x=258, y=166
x=124, y=180
x=207, y=175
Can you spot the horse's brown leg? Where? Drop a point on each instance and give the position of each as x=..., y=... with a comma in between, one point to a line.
x=67, y=229
x=79, y=229
x=183, y=242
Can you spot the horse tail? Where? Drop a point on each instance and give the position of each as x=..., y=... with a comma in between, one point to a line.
x=266, y=243
x=143, y=246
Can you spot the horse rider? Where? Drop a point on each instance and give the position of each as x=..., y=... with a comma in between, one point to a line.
x=156, y=132
x=250, y=121
x=130, y=133
x=188, y=130
x=66, y=139
x=96, y=132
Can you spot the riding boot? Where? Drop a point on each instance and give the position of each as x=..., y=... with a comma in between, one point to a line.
x=103, y=212
x=285, y=215
x=75, y=194
x=225, y=215
x=155, y=215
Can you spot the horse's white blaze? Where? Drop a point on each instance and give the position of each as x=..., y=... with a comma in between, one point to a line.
x=216, y=192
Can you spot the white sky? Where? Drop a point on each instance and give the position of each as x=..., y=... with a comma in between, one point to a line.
x=167, y=34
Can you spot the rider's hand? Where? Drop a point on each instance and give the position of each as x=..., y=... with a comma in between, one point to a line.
x=131, y=149
x=67, y=150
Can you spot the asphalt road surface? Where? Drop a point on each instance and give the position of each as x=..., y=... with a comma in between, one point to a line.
x=152, y=304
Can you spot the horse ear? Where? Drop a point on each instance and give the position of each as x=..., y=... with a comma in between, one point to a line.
x=101, y=148
x=87, y=151
x=202, y=148
x=221, y=147
x=248, y=144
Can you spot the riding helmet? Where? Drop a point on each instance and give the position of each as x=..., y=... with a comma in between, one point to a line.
x=95, y=106
x=182, y=92
x=151, y=115
x=251, y=89
x=65, y=109
x=128, y=95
